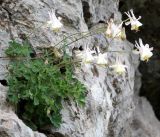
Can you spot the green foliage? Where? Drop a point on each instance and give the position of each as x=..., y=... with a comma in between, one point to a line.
x=17, y=50
x=37, y=86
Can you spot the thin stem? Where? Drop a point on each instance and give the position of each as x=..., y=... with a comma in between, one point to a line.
x=126, y=20
x=119, y=51
x=67, y=63
x=85, y=32
x=18, y=58
x=85, y=36
x=67, y=38
x=34, y=30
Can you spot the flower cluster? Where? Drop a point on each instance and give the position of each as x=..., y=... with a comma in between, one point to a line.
x=90, y=56
x=113, y=31
x=117, y=31
x=93, y=57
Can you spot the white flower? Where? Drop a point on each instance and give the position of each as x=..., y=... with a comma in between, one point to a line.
x=115, y=31
x=101, y=59
x=143, y=50
x=86, y=56
x=135, y=24
x=119, y=68
x=54, y=22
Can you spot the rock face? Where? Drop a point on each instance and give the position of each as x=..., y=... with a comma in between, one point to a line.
x=110, y=103
x=149, y=10
x=10, y=124
x=144, y=123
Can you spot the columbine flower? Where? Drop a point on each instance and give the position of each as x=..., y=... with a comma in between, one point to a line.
x=54, y=22
x=115, y=31
x=143, y=50
x=135, y=24
x=101, y=59
x=119, y=68
x=86, y=56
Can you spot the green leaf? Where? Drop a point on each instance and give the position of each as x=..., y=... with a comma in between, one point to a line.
x=36, y=101
x=56, y=119
x=16, y=49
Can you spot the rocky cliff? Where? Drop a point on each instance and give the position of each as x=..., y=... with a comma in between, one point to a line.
x=113, y=107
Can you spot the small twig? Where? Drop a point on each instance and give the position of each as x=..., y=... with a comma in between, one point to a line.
x=85, y=32
x=34, y=30
x=119, y=51
x=18, y=58
x=66, y=63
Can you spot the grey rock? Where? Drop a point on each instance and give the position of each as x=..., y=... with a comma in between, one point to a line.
x=145, y=124
x=110, y=101
x=10, y=124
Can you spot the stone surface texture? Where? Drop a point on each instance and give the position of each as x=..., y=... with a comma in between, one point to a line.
x=144, y=123
x=149, y=10
x=113, y=108
x=10, y=124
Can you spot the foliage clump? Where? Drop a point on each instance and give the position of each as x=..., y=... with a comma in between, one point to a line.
x=38, y=85
x=17, y=50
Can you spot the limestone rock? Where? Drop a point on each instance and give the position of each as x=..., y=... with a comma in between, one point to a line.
x=10, y=124
x=145, y=124
x=110, y=100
